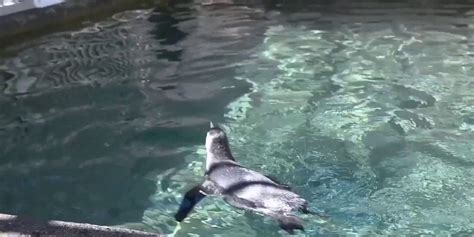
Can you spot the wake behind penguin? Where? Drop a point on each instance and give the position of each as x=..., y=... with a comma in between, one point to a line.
x=242, y=187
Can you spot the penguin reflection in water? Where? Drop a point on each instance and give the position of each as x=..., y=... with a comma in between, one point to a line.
x=241, y=187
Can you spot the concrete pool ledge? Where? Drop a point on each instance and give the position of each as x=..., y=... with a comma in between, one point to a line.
x=14, y=226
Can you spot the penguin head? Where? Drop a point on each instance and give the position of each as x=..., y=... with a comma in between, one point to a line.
x=215, y=137
x=217, y=142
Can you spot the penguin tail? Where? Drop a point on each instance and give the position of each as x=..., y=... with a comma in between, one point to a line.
x=289, y=223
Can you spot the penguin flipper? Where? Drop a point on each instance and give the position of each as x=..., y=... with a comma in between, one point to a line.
x=192, y=197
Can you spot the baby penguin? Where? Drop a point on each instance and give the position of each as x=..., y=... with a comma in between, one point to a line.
x=242, y=187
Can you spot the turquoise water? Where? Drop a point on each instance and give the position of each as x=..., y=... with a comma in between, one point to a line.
x=366, y=109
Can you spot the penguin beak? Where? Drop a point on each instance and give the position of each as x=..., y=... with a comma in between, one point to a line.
x=211, y=124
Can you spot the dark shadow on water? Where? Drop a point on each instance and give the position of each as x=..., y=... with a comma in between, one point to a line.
x=167, y=32
x=82, y=154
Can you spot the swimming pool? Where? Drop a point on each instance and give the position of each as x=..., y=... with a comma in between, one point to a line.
x=366, y=109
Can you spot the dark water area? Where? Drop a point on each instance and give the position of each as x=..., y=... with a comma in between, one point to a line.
x=365, y=108
x=87, y=115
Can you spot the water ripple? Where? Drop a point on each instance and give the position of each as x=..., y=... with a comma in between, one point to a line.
x=121, y=98
x=364, y=108
x=102, y=53
x=378, y=98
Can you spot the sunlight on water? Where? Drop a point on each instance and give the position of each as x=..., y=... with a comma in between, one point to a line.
x=365, y=110
x=373, y=122
x=370, y=122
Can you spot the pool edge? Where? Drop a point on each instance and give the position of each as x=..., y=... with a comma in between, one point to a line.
x=14, y=226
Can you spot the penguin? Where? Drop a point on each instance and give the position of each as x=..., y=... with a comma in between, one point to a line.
x=242, y=187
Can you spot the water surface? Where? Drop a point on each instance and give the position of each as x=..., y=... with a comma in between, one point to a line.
x=366, y=109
